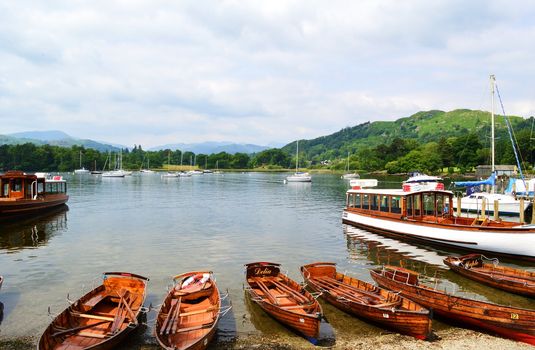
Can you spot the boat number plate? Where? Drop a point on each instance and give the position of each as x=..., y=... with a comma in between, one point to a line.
x=386, y=316
x=514, y=317
x=345, y=215
x=302, y=320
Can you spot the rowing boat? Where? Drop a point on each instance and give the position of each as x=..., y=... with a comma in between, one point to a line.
x=513, y=280
x=283, y=298
x=367, y=301
x=101, y=318
x=190, y=312
x=506, y=321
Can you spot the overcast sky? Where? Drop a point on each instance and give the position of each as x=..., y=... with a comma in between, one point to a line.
x=157, y=72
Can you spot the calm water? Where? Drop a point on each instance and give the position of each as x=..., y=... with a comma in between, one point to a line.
x=162, y=227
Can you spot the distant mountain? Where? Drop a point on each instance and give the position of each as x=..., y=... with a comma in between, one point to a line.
x=55, y=138
x=212, y=147
x=52, y=135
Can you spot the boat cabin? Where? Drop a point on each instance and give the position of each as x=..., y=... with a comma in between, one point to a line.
x=399, y=204
x=16, y=185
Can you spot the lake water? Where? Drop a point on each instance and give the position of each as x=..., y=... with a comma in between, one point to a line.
x=162, y=227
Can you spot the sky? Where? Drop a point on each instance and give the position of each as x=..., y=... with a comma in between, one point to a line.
x=263, y=72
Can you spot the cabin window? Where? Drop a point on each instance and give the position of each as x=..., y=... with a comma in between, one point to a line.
x=357, y=201
x=384, y=204
x=375, y=202
x=395, y=205
x=5, y=189
x=429, y=204
x=351, y=200
x=365, y=201
x=40, y=187
x=440, y=204
x=16, y=186
x=417, y=205
x=28, y=192
x=410, y=207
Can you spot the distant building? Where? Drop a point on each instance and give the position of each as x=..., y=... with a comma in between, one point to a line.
x=483, y=171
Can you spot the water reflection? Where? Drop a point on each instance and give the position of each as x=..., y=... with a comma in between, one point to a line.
x=34, y=232
x=387, y=251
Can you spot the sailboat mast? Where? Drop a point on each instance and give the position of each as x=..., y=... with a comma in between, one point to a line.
x=297, y=157
x=492, y=88
x=492, y=84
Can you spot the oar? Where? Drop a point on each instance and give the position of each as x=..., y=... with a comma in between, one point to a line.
x=76, y=329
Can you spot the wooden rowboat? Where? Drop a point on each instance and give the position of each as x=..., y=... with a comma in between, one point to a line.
x=190, y=312
x=509, y=322
x=367, y=301
x=513, y=280
x=101, y=318
x=283, y=298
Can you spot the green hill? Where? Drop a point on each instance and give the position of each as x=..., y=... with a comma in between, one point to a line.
x=422, y=127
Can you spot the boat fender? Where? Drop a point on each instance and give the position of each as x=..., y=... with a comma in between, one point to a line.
x=195, y=279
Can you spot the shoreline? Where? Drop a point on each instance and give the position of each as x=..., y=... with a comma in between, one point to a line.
x=449, y=338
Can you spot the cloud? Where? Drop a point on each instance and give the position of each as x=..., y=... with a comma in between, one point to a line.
x=156, y=72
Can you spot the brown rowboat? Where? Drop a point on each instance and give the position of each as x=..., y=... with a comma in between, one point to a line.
x=283, y=298
x=367, y=301
x=506, y=278
x=101, y=318
x=190, y=312
x=509, y=322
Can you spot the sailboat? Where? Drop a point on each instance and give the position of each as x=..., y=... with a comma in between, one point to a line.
x=117, y=172
x=298, y=176
x=349, y=175
x=95, y=171
x=147, y=170
x=169, y=173
x=82, y=170
x=508, y=204
x=217, y=171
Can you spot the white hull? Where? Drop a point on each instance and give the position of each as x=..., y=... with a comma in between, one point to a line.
x=350, y=176
x=517, y=241
x=507, y=205
x=299, y=178
x=81, y=171
x=112, y=174
x=170, y=175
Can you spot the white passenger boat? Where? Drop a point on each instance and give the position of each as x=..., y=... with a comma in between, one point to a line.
x=424, y=216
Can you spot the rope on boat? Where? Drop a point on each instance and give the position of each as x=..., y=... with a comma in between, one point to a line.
x=495, y=261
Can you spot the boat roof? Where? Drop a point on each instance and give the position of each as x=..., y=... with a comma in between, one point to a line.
x=423, y=178
x=395, y=192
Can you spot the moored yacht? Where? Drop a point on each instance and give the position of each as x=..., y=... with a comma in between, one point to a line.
x=298, y=176
x=425, y=216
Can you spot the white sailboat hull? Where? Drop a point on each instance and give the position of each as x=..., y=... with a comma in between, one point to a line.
x=518, y=241
x=507, y=205
x=299, y=177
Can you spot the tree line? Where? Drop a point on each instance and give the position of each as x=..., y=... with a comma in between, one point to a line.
x=460, y=154
x=30, y=157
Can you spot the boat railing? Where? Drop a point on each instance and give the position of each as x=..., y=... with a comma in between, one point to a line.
x=32, y=194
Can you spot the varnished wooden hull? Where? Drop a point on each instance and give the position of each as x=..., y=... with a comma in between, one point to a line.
x=509, y=322
x=512, y=280
x=364, y=301
x=97, y=321
x=304, y=315
x=28, y=207
x=181, y=338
